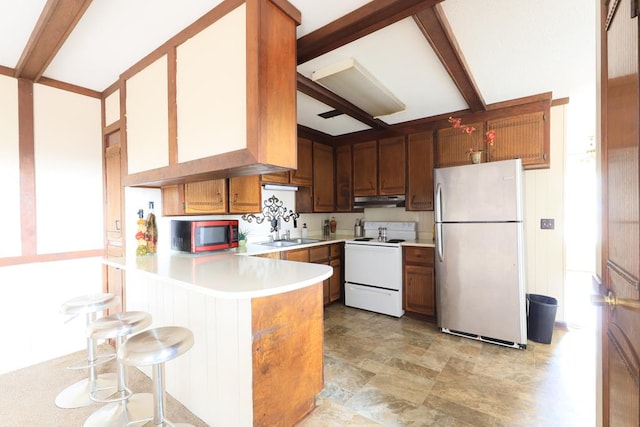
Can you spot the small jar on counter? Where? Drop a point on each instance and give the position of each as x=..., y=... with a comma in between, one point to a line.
x=333, y=224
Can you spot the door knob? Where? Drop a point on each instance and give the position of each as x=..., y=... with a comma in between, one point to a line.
x=614, y=301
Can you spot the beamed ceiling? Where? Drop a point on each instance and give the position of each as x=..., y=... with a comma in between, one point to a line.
x=439, y=57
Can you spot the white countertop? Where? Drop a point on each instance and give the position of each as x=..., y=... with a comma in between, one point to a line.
x=225, y=275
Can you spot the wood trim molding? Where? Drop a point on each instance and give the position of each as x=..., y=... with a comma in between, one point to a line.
x=363, y=21
x=91, y=253
x=6, y=71
x=69, y=87
x=27, y=167
x=433, y=24
x=58, y=19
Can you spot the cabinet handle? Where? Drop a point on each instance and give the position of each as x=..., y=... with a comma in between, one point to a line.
x=117, y=225
x=235, y=197
x=372, y=186
x=219, y=197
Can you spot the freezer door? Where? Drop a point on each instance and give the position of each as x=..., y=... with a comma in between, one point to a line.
x=480, y=280
x=476, y=193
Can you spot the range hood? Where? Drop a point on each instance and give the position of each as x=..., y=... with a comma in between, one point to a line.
x=396, y=201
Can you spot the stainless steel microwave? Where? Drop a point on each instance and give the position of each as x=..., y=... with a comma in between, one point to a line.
x=202, y=236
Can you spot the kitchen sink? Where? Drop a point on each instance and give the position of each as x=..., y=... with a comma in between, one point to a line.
x=286, y=243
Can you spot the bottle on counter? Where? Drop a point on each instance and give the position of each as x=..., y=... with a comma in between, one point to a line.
x=151, y=234
x=305, y=231
x=333, y=224
x=141, y=249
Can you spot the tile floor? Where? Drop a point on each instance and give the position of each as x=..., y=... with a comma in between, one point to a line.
x=380, y=370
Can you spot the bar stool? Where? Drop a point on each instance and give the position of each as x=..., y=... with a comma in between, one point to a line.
x=155, y=347
x=77, y=395
x=122, y=405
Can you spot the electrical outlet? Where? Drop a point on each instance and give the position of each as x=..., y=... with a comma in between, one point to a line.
x=547, y=224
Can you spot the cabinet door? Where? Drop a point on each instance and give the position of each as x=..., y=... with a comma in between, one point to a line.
x=344, y=192
x=419, y=289
x=244, y=194
x=301, y=255
x=335, y=281
x=205, y=197
x=525, y=136
x=113, y=190
x=276, y=177
x=303, y=175
x=391, y=166
x=323, y=181
x=173, y=200
x=115, y=281
x=452, y=145
x=319, y=254
x=365, y=168
x=420, y=172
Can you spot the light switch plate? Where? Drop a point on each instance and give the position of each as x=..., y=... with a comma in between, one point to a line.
x=547, y=224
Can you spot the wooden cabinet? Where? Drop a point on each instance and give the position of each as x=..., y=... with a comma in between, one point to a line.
x=379, y=167
x=245, y=195
x=420, y=172
x=113, y=195
x=303, y=174
x=365, y=168
x=522, y=136
x=452, y=145
x=195, y=198
x=330, y=254
x=176, y=131
x=391, y=166
x=344, y=191
x=323, y=178
x=419, y=294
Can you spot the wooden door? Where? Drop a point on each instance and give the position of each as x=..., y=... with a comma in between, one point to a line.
x=620, y=208
x=452, y=145
x=420, y=172
x=113, y=196
x=303, y=175
x=344, y=193
x=324, y=199
x=525, y=136
x=365, y=169
x=391, y=166
x=205, y=197
x=245, y=195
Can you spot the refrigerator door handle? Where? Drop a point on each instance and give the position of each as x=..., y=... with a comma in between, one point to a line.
x=439, y=242
x=438, y=207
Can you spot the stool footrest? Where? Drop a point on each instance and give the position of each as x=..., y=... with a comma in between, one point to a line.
x=99, y=395
x=101, y=359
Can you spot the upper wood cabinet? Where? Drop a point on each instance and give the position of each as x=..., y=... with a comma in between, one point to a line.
x=323, y=178
x=303, y=175
x=245, y=195
x=453, y=145
x=218, y=99
x=195, y=198
x=344, y=193
x=420, y=172
x=523, y=137
x=379, y=167
x=391, y=166
x=365, y=168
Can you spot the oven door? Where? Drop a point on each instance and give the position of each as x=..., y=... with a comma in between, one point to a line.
x=371, y=265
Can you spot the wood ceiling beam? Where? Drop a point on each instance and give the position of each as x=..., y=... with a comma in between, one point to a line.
x=320, y=93
x=435, y=27
x=57, y=20
x=367, y=19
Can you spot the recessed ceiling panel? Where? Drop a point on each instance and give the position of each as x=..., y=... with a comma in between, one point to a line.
x=308, y=115
x=400, y=57
x=113, y=35
x=317, y=14
x=17, y=19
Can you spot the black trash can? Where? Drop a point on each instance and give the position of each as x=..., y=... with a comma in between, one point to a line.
x=541, y=316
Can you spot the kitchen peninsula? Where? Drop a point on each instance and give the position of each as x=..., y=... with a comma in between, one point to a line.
x=257, y=322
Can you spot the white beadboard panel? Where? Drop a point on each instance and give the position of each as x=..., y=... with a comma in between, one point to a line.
x=147, y=115
x=30, y=299
x=211, y=92
x=544, y=196
x=68, y=170
x=214, y=378
x=9, y=168
x=112, y=108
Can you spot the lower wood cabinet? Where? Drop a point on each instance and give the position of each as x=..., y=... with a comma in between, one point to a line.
x=330, y=254
x=419, y=291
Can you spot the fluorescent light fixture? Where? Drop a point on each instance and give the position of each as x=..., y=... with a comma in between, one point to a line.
x=351, y=81
x=280, y=187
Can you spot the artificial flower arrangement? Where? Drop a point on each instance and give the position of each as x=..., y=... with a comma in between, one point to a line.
x=489, y=136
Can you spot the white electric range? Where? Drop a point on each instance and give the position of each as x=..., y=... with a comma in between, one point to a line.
x=373, y=266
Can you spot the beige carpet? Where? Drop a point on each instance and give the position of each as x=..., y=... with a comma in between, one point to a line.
x=27, y=396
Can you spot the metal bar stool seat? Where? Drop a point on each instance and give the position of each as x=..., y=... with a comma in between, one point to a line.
x=77, y=395
x=155, y=347
x=122, y=405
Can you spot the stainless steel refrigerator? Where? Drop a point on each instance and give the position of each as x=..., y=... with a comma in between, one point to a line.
x=480, y=280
